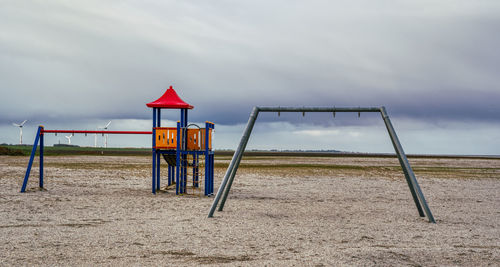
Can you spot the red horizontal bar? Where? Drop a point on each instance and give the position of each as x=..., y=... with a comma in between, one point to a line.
x=96, y=132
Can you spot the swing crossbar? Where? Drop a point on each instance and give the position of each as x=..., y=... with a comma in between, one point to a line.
x=39, y=142
x=96, y=132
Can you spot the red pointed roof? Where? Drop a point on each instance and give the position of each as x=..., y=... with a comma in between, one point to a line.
x=169, y=99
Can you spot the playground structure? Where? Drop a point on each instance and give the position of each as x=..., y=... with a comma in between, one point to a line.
x=184, y=148
x=227, y=182
x=181, y=146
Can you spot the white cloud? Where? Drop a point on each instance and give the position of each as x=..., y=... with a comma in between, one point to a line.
x=317, y=133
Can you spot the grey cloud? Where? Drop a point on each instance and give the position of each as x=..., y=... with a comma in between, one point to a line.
x=92, y=60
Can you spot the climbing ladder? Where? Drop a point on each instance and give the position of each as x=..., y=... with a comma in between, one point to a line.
x=192, y=166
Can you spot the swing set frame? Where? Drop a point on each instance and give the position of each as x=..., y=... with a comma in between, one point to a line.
x=416, y=192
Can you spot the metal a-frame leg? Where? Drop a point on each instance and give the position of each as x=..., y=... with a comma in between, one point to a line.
x=415, y=190
x=233, y=166
x=30, y=163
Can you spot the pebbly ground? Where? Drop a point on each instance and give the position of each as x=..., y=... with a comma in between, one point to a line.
x=100, y=211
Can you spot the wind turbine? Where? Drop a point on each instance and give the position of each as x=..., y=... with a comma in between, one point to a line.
x=106, y=136
x=69, y=138
x=20, y=125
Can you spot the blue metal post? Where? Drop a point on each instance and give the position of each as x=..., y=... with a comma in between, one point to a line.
x=211, y=185
x=211, y=168
x=30, y=163
x=157, y=170
x=195, y=170
x=184, y=169
x=207, y=175
x=185, y=117
x=169, y=175
x=173, y=174
x=158, y=116
x=181, y=164
x=181, y=174
x=177, y=159
x=40, y=181
x=158, y=166
x=207, y=161
x=154, y=152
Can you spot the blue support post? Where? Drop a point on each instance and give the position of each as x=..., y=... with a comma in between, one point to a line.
x=207, y=160
x=183, y=173
x=177, y=159
x=213, y=169
x=173, y=174
x=209, y=174
x=40, y=181
x=185, y=119
x=181, y=163
x=158, y=170
x=184, y=164
x=158, y=166
x=30, y=163
x=154, y=152
x=212, y=161
x=169, y=175
x=195, y=171
x=207, y=167
x=158, y=116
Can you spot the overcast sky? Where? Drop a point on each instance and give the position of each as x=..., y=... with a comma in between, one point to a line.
x=433, y=64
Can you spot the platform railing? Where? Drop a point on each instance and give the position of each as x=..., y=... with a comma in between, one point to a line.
x=166, y=138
